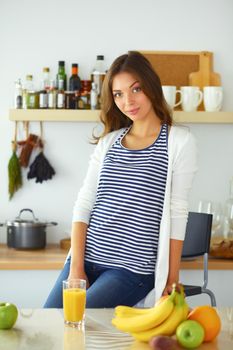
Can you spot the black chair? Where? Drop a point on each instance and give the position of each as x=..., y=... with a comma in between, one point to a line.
x=197, y=243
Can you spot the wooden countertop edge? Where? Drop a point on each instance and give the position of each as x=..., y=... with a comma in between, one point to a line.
x=213, y=264
x=53, y=258
x=50, y=258
x=26, y=266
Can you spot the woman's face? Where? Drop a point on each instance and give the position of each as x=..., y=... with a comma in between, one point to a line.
x=130, y=98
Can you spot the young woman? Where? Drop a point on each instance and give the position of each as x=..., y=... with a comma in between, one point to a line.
x=130, y=216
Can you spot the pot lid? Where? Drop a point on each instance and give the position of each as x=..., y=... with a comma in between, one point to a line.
x=33, y=222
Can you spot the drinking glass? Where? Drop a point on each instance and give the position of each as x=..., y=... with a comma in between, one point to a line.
x=217, y=219
x=205, y=206
x=215, y=209
x=229, y=218
x=74, y=302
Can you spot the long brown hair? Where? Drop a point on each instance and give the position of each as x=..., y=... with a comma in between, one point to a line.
x=136, y=64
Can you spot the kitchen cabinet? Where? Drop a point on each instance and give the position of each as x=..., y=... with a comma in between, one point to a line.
x=56, y=115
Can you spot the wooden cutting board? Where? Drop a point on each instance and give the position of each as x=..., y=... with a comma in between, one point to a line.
x=184, y=68
x=205, y=75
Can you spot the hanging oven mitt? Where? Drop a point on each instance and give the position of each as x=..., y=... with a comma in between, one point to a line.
x=27, y=146
x=40, y=168
x=14, y=169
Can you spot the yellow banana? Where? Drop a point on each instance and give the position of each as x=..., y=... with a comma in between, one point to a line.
x=186, y=307
x=128, y=311
x=151, y=319
x=168, y=327
x=185, y=311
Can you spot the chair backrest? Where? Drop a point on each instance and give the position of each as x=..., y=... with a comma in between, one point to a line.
x=198, y=235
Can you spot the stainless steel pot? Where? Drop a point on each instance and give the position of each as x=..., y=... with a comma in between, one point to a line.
x=27, y=234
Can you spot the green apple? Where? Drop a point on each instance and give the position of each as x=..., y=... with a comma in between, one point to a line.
x=8, y=315
x=190, y=334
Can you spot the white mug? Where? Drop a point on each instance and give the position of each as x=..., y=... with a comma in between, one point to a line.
x=170, y=93
x=191, y=98
x=213, y=96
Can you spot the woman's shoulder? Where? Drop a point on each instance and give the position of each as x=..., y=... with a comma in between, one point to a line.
x=180, y=136
x=180, y=133
x=180, y=130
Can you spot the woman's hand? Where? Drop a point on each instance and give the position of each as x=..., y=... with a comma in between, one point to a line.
x=79, y=274
x=168, y=288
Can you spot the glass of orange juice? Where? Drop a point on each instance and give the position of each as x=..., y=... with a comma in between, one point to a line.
x=74, y=302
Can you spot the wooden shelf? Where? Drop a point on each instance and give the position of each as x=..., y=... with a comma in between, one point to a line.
x=54, y=115
x=203, y=117
x=66, y=115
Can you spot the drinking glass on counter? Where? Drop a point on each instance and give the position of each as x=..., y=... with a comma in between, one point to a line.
x=229, y=218
x=215, y=209
x=74, y=302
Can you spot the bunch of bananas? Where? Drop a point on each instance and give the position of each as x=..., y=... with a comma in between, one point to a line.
x=162, y=319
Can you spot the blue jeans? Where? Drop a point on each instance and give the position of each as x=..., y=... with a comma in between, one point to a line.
x=109, y=287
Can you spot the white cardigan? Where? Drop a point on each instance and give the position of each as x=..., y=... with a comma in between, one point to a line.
x=182, y=165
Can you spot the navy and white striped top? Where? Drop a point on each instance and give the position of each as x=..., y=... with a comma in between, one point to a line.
x=124, y=226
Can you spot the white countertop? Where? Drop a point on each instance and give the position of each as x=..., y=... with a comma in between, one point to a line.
x=44, y=329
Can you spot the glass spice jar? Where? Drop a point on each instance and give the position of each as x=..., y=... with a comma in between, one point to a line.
x=84, y=96
x=32, y=100
x=70, y=100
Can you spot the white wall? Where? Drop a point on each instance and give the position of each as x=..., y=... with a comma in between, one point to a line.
x=36, y=34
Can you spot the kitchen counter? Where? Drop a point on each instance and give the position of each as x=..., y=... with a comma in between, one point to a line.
x=53, y=258
x=45, y=329
x=50, y=258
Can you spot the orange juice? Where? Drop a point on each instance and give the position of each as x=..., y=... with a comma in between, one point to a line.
x=74, y=300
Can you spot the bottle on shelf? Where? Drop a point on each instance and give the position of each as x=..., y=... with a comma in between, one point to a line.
x=52, y=95
x=30, y=95
x=61, y=75
x=98, y=73
x=46, y=78
x=43, y=99
x=18, y=95
x=43, y=93
x=61, y=95
x=75, y=81
x=94, y=96
x=70, y=100
x=28, y=85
